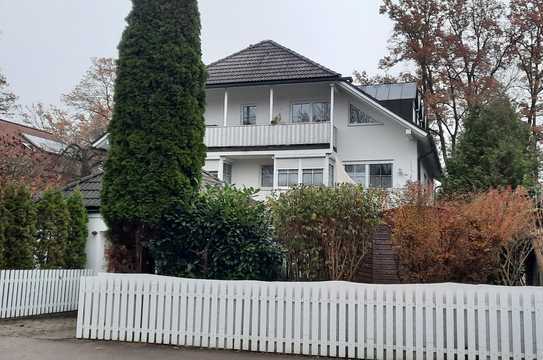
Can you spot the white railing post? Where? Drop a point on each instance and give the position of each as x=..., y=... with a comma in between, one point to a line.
x=271, y=104
x=332, y=101
x=225, y=119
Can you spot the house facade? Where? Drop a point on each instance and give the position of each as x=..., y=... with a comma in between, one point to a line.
x=275, y=119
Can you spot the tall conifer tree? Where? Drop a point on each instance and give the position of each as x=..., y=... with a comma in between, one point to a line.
x=157, y=129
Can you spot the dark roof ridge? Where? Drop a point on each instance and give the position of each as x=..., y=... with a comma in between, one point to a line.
x=236, y=53
x=392, y=83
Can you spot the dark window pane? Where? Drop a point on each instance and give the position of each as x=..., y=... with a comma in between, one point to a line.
x=381, y=175
x=267, y=176
x=321, y=112
x=301, y=112
x=248, y=115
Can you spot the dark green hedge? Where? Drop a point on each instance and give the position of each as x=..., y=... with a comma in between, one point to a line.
x=225, y=235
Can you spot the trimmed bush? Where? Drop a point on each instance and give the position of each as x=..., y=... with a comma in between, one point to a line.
x=225, y=235
x=18, y=219
x=326, y=231
x=74, y=253
x=52, y=230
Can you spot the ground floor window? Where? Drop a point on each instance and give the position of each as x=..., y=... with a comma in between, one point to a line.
x=287, y=177
x=371, y=175
x=381, y=176
x=227, y=173
x=266, y=176
x=331, y=175
x=312, y=177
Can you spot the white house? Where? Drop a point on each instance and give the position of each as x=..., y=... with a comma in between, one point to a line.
x=276, y=119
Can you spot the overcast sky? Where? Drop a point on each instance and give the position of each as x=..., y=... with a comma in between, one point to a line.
x=46, y=46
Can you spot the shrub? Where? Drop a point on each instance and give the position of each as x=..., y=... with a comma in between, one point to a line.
x=326, y=231
x=224, y=235
x=18, y=218
x=52, y=230
x=74, y=253
x=484, y=238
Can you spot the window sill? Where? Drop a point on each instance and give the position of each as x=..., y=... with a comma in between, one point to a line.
x=368, y=124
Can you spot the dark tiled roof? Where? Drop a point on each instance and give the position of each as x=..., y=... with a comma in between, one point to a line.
x=384, y=92
x=91, y=186
x=265, y=61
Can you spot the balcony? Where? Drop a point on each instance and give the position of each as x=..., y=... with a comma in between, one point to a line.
x=269, y=135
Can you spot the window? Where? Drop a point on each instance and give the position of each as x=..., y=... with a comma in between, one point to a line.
x=312, y=177
x=360, y=117
x=331, y=178
x=321, y=112
x=311, y=112
x=381, y=175
x=357, y=172
x=227, y=173
x=248, y=115
x=266, y=177
x=301, y=113
x=287, y=177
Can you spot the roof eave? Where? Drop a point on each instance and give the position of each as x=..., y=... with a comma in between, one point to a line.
x=273, y=82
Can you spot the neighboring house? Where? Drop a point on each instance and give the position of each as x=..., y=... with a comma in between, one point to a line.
x=90, y=188
x=27, y=152
x=276, y=119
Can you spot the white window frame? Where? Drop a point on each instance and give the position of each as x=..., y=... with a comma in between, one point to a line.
x=224, y=173
x=289, y=170
x=242, y=113
x=262, y=177
x=366, y=165
x=313, y=176
x=311, y=103
x=371, y=123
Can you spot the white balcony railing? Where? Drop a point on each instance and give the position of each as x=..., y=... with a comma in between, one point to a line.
x=268, y=135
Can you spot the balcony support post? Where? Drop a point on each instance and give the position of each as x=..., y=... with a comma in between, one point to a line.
x=332, y=100
x=326, y=171
x=225, y=107
x=220, y=169
x=271, y=104
x=275, y=174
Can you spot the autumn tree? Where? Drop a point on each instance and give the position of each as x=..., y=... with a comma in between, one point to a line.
x=458, y=47
x=7, y=97
x=84, y=115
x=526, y=32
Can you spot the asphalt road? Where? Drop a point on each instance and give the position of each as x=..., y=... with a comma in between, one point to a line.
x=52, y=338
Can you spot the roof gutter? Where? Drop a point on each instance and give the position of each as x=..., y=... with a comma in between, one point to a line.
x=275, y=82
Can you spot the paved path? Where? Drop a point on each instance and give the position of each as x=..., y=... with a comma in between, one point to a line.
x=52, y=339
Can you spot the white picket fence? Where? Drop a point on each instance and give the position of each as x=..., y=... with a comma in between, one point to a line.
x=36, y=292
x=337, y=319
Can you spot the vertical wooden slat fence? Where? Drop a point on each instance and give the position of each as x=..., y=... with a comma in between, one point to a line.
x=337, y=319
x=37, y=292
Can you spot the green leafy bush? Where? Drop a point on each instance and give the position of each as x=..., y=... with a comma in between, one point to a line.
x=74, y=253
x=52, y=230
x=224, y=235
x=18, y=227
x=326, y=231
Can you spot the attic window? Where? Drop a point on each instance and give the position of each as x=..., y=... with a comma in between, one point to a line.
x=358, y=117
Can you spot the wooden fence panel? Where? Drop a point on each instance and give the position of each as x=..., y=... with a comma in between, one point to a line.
x=36, y=292
x=336, y=319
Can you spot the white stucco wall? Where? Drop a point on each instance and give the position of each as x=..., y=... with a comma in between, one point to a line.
x=386, y=142
x=96, y=243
